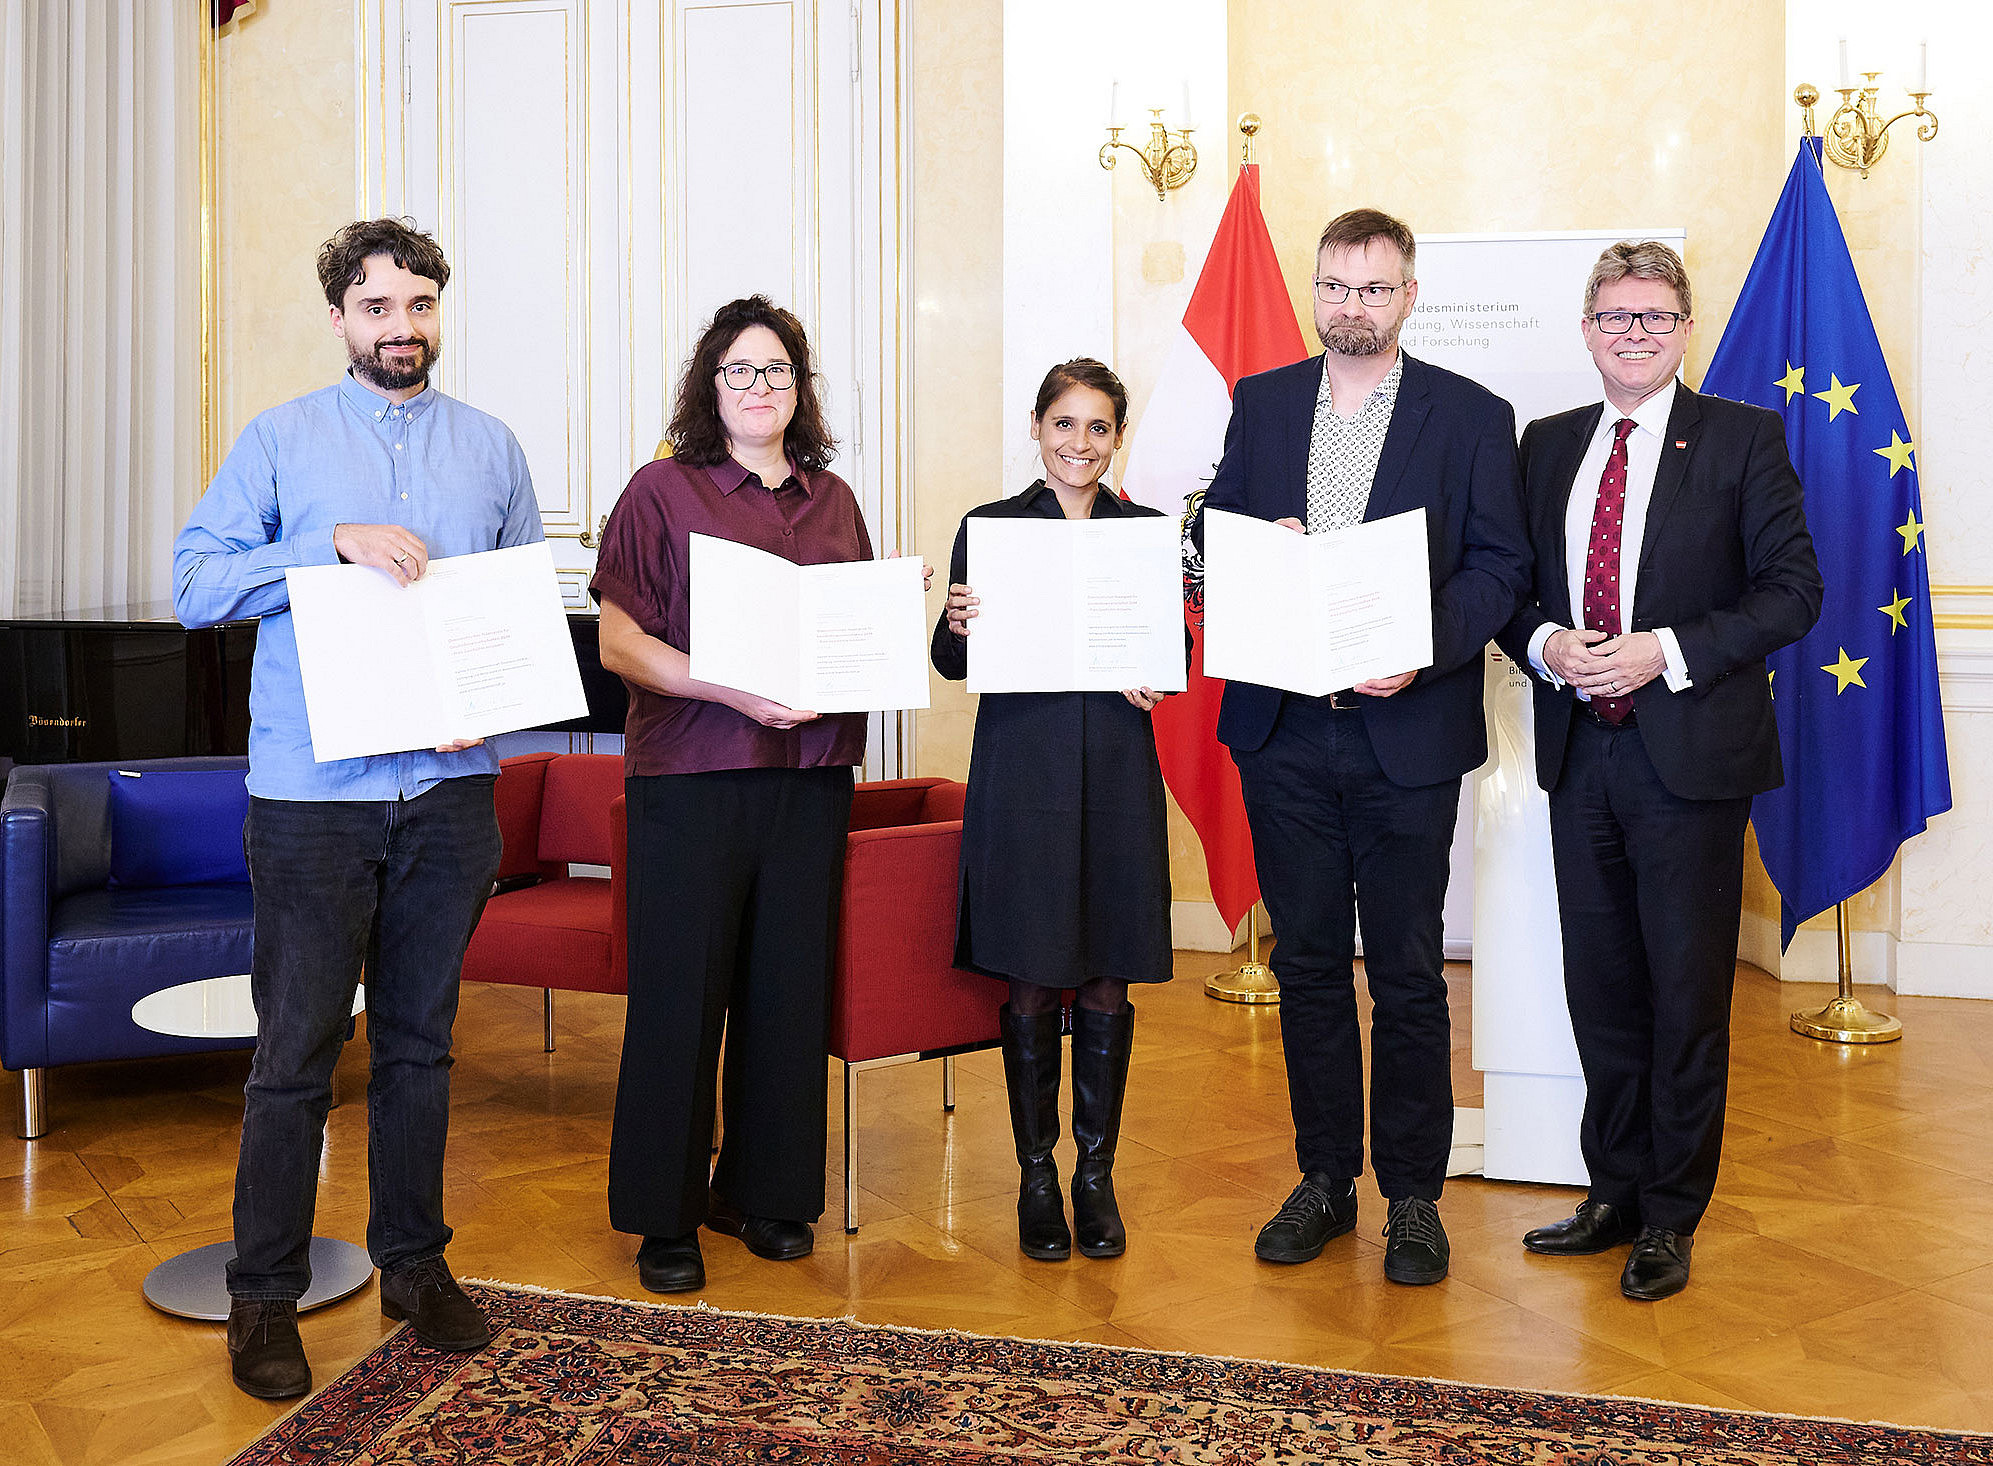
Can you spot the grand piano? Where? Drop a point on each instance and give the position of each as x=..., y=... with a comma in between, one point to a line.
x=130, y=682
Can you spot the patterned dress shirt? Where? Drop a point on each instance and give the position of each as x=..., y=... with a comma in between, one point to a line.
x=1343, y=452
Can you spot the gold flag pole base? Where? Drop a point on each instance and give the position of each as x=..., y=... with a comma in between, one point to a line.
x=1846, y=1020
x=1252, y=982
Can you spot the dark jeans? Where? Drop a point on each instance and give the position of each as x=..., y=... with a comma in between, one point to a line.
x=1336, y=842
x=735, y=880
x=1649, y=891
x=396, y=885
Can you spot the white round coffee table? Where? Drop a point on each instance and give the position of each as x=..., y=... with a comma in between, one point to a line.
x=195, y=1283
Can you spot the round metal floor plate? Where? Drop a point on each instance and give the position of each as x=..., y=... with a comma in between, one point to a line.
x=195, y=1284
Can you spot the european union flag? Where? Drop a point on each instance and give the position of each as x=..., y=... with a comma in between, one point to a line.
x=1857, y=700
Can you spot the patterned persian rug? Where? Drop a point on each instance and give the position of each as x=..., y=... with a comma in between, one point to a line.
x=573, y=1381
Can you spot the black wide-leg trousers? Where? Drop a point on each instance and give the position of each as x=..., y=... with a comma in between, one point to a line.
x=735, y=878
x=1649, y=893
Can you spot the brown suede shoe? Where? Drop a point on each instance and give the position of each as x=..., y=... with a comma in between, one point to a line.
x=437, y=1310
x=265, y=1354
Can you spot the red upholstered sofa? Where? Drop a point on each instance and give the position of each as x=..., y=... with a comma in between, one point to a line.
x=896, y=994
x=547, y=928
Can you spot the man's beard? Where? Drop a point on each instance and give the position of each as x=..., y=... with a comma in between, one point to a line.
x=393, y=376
x=1357, y=338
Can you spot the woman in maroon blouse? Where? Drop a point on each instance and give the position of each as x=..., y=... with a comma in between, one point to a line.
x=738, y=809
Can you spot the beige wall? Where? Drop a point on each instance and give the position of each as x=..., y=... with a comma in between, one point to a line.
x=287, y=181
x=1458, y=118
x=957, y=179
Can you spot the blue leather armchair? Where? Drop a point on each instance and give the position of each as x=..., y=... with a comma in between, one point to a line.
x=76, y=952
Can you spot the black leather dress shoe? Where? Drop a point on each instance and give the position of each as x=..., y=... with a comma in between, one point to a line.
x=1319, y=1210
x=265, y=1354
x=774, y=1238
x=1597, y=1226
x=1658, y=1266
x=671, y=1264
x=1415, y=1246
x=437, y=1310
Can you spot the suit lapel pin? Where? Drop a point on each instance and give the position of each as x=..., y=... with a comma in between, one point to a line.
x=1681, y=442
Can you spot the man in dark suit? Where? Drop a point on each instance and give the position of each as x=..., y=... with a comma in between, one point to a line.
x=1352, y=797
x=1672, y=557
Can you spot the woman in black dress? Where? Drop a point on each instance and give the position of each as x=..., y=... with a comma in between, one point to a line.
x=1065, y=859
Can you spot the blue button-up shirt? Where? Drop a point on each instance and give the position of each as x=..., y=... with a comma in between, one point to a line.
x=448, y=473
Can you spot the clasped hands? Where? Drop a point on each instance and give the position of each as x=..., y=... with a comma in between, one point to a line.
x=1599, y=665
x=962, y=603
x=402, y=556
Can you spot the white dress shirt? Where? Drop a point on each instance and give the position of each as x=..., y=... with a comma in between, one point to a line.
x=1643, y=458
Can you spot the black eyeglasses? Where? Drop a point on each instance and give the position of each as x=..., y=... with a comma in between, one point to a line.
x=740, y=375
x=1334, y=292
x=1654, y=323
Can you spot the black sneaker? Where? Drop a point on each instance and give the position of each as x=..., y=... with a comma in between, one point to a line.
x=1415, y=1247
x=439, y=1312
x=1319, y=1210
x=265, y=1354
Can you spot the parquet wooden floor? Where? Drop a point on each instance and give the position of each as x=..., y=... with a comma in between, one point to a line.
x=1844, y=1270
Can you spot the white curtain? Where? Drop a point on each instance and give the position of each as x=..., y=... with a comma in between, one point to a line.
x=99, y=298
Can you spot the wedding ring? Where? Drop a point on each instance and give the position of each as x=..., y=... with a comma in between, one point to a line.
x=400, y=559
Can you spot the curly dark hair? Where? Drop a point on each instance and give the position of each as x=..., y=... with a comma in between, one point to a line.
x=342, y=259
x=697, y=435
x=1082, y=371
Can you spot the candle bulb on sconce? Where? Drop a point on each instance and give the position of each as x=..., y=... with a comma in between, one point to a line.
x=1856, y=135
x=1168, y=159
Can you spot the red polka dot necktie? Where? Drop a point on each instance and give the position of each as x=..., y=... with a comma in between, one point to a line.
x=1602, y=561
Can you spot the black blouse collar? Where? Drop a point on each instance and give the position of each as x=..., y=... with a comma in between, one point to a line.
x=1042, y=499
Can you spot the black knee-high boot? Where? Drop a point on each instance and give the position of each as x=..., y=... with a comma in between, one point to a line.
x=1031, y=1073
x=1101, y=1043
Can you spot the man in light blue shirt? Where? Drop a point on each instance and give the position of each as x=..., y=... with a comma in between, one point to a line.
x=383, y=861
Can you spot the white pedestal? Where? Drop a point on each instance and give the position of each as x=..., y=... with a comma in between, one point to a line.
x=1533, y=1088
x=1530, y=1128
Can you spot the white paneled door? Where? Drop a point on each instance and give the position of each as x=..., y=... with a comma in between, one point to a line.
x=603, y=174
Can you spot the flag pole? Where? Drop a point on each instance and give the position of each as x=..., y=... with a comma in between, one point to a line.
x=1251, y=983
x=1845, y=1020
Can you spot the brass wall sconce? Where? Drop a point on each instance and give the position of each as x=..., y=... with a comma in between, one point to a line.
x=1168, y=159
x=1857, y=136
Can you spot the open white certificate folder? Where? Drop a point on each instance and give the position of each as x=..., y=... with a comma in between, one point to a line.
x=848, y=638
x=478, y=646
x=1084, y=605
x=1315, y=613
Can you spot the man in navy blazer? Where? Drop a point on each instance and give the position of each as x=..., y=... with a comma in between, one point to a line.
x=1352, y=798
x=1672, y=557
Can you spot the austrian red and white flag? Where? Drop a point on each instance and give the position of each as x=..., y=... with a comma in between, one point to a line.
x=1239, y=322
